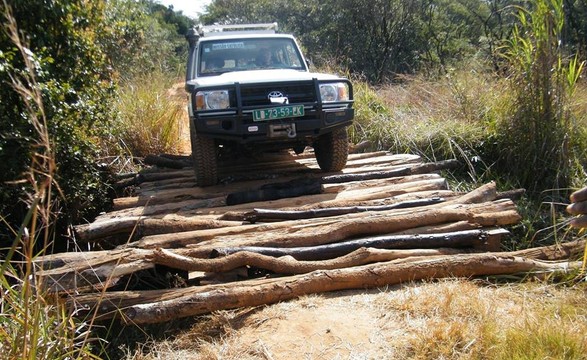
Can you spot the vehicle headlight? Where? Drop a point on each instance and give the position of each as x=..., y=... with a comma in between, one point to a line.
x=212, y=100
x=334, y=92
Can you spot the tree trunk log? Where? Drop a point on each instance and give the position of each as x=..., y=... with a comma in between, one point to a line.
x=165, y=162
x=141, y=307
x=288, y=264
x=321, y=231
x=460, y=239
x=133, y=228
x=264, y=215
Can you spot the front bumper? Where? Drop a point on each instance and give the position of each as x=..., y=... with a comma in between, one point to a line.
x=236, y=122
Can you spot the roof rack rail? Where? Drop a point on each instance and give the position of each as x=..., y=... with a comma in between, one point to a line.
x=219, y=30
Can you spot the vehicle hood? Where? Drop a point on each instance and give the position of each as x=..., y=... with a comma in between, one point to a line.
x=258, y=76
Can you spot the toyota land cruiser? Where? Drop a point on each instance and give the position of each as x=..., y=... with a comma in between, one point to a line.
x=250, y=87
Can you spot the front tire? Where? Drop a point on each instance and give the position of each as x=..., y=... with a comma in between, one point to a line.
x=205, y=159
x=332, y=150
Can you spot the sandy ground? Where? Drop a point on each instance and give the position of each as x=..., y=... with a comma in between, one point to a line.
x=449, y=319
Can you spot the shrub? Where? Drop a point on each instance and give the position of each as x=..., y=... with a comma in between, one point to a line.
x=540, y=138
x=73, y=80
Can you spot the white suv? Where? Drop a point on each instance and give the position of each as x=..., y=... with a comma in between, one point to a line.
x=251, y=87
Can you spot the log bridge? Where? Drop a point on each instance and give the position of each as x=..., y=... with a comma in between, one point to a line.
x=277, y=228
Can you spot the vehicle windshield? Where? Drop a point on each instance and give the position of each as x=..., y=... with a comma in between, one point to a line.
x=217, y=57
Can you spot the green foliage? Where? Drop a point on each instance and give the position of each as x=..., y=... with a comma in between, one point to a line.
x=541, y=132
x=140, y=37
x=575, y=30
x=399, y=36
x=73, y=80
x=34, y=324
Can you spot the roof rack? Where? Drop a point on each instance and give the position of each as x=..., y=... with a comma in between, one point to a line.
x=219, y=30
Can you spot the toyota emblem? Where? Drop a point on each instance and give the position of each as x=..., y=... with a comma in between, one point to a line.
x=275, y=94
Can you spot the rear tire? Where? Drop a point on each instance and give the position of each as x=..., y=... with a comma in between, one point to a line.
x=205, y=159
x=332, y=150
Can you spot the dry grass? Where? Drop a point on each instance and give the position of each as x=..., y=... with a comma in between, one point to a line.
x=152, y=117
x=450, y=319
x=448, y=118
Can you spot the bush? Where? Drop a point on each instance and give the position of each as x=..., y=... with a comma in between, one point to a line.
x=72, y=78
x=541, y=144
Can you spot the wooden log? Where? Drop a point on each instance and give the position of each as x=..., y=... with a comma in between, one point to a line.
x=238, y=213
x=460, y=239
x=163, y=305
x=264, y=214
x=392, y=183
x=136, y=227
x=514, y=194
x=288, y=264
x=164, y=208
x=268, y=192
x=403, y=171
x=322, y=231
x=150, y=177
x=357, y=191
x=567, y=250
x=360, y=147
x=165, y=162
x=387, y=159
x=340, y=229
x=99, y=269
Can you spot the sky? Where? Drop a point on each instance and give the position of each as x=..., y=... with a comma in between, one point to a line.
x=189, y=8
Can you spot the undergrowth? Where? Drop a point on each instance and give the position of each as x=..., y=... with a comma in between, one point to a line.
x=149, y=116
x=35, y=324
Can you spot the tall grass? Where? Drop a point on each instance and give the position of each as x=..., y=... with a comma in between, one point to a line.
x=34, y=324
x=451, y=117
x=541, y=135
x=150, y=116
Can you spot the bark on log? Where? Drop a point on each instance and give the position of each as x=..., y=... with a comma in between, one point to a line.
x=237, y=213
x=460, y=239
x=149, y=177
x=158, y=306
x=288, y=264
x=407, y=170
x=135, y=227
x=98, y=270
x=165, y=162
x=276, y=191
x=357, y=191
x=264, y=214
x=320, y=231
x=69, y=271
x=515, y=194
x=360, y=147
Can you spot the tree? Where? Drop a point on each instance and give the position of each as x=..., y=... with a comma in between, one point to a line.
x=378, y=38
x=74, y=81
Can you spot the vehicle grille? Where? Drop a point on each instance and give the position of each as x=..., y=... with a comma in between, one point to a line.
x=255, y=95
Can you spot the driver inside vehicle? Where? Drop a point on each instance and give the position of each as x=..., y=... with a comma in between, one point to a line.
x=264, y=57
